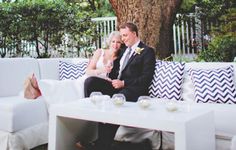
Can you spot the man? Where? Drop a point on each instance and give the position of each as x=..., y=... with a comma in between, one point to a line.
x=131, y=75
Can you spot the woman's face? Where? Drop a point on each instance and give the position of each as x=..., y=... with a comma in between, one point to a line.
x=115, y=43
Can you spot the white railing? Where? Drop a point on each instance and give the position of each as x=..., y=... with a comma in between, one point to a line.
x=105, y=25
x=184, y=36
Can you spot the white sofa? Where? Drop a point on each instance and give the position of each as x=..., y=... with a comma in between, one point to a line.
x=24, y=123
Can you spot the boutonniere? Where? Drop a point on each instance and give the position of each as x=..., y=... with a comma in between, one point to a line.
x=138, y=50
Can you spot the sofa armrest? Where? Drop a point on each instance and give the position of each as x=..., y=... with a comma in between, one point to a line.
x=233, y=143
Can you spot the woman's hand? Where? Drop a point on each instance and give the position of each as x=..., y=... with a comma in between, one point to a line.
x=108, y=66
x=107, y=69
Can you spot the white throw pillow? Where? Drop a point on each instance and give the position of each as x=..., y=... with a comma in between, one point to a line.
x=55, y=91
x=167, y=80
x=214, y=85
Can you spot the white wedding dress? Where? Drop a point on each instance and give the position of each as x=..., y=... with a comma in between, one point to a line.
x=63, y=91
x=80, y=81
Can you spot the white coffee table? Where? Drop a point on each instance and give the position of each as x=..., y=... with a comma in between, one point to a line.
x=193, y=127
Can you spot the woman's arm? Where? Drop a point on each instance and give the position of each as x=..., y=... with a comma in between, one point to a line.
x=91, y=69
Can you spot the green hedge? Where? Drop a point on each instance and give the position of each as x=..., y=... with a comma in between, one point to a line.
x=44, y=23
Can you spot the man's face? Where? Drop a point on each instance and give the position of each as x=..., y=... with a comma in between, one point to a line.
x=128, y=37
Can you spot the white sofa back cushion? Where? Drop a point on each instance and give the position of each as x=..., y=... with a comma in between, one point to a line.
x=167, y=80
x=214, y=85
x=225, y=118
x=188, y=89
x=14, y=71
x=49, y=67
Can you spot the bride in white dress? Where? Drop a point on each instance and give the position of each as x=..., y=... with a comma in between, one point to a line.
x=55, y=91
x=102, y=58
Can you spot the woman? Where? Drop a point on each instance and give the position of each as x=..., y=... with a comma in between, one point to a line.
x=55, y=91
x=101, y=62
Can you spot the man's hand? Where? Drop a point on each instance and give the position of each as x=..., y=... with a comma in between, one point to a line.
x=117, y=84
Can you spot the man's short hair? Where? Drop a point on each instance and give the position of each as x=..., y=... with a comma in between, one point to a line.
x=132, y=27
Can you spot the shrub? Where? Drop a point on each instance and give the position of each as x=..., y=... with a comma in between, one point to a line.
x=221, y=48
x=223, y=45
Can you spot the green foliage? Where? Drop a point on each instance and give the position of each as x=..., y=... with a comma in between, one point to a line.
x=214, y=8
x=187, y=6
x=223, y=45
x=221, y=49
x=44, y=23
x=229, y=23
x=184, y=58
x=104, y=8
x=101, y=8
x=209, y=8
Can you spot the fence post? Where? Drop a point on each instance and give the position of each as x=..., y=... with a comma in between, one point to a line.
x=198, y=29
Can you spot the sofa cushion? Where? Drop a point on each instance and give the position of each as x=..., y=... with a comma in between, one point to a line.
x=233, y=144
x=214, y=85
x=71, y=71
x=14, y=71
x=56, y=91
x=188, y=89
x=18, y=113
x=167, y=80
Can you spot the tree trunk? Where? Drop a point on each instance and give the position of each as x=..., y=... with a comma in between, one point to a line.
x=154, y=19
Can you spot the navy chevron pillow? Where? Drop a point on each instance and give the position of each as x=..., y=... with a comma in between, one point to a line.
x=214, y=86
x=71, y=71
x=167, y=80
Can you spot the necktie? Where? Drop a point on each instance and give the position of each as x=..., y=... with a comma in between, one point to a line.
x=126, y=59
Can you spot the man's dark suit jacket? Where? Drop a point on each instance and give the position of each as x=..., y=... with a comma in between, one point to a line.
x=137, y=74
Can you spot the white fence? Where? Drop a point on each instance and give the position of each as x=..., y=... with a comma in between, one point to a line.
x=105, y=25
x=184, y=36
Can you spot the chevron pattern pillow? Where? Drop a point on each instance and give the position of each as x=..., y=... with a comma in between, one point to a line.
x=214, y=86
x=167, y=80
x=71, y=71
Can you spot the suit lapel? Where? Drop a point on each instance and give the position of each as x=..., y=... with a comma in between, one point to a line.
x=133, y=56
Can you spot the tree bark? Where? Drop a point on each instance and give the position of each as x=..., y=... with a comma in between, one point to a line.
x=154, y=19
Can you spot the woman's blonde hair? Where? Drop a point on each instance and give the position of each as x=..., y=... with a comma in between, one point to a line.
x=112, y=34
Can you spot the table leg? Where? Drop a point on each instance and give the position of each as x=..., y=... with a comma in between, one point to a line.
x=64, y=133
x=197, y=134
